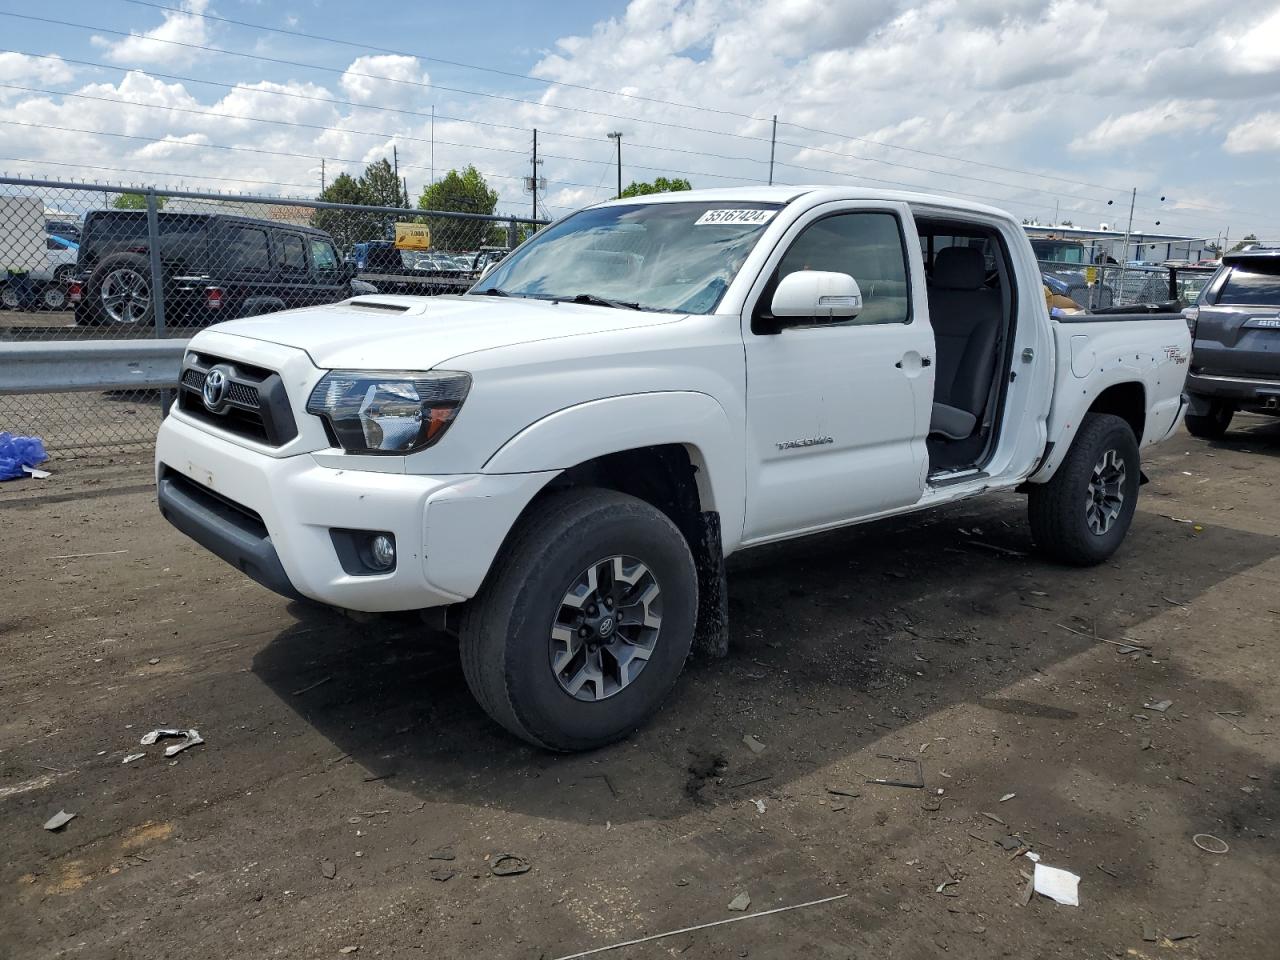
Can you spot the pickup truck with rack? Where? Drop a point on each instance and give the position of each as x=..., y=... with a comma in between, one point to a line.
x=556, y=463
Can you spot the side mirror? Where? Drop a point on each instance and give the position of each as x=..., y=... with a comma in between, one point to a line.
x=817, y=295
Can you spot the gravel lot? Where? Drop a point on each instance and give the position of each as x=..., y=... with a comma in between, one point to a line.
x=350, y=795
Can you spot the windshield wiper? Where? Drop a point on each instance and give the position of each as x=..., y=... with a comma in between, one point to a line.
x=604, y=301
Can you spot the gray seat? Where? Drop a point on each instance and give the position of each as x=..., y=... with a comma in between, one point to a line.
x=966, y=318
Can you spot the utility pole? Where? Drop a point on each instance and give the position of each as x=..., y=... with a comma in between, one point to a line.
x=1056, y=220
x=395, y=161
x=617, y=135
x=405, y=182
x=533, y=180
x=773, y=142
x=322, y=185
x=433, y=143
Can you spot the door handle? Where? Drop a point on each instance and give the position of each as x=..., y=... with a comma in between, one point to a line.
x=924, y=362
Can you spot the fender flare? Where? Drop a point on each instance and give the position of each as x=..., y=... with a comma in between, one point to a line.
x=595, y=428
x=1065, y=421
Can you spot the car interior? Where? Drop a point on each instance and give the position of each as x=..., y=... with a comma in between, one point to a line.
x=970, y=287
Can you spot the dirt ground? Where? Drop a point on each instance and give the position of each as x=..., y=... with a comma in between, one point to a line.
x=349, y=795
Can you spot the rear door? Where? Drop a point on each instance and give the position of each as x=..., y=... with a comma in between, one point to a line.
x=247, y=272
x=838, y=412
x=296, y=288
x=1238, y=328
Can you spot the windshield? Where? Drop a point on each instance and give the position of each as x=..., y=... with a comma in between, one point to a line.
x=676, y=257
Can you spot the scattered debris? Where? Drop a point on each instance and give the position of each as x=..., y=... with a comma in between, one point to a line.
x=132, y=757
x=759, y=805
x=1010, y=843
x=318, y=683
x=840, y=790
x=59, y=820
x=153, y=661
x=81, y=556
x=328, y=869
x=1180, y=936
x=1206, y=842
x=1028, y=889
x=1228, y=714
x=190, y=739
x=1160, y=706
x=1109, y=873
x=1144, y=743
x=1149, y=932
x=943, y=886
x=1176, y=519
x=916, y=784
x=741, y=902
x=443, y=853
x=700, y=926
x=508, y=864
x=1176, y=603
x=747, y=783
x=1007, y=796
x=1061, y=886
x=1128, y=642
x=443, y=875
x=348, y=949
x=992, y=816
x=1006, y=551
x=754, y=745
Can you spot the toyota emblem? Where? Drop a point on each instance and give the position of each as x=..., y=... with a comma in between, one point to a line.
x=216, y=384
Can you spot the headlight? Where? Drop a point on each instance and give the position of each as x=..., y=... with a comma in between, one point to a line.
x=391, y=411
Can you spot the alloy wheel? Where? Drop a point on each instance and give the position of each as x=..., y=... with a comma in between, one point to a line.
x=606, y=628
x=126, y=295
x=1105, y=498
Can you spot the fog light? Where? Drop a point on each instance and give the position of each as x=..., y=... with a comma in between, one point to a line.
x=382, y=551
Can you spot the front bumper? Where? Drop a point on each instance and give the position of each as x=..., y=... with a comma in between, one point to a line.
x=1246, y=392
x=272, y=518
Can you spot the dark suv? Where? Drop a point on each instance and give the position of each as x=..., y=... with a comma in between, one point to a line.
x=1235, y=357
x=215, y=266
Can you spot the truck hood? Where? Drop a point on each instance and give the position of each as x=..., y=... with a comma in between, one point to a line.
x=418, y=333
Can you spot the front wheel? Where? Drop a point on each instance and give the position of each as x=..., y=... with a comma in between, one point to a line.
x=1082, y=514
x=1213, y=424
x=584, y=622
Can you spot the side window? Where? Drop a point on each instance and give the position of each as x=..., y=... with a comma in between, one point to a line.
x=247, y=250
x=292, y=253
x=868, y=247
x=324, y=257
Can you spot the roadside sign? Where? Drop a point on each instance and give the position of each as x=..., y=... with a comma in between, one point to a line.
x=1091, y=275
x=413, y=236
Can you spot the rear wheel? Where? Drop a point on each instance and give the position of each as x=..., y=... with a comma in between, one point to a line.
x=54, y=297
x=119, y=292
x=1083, y=513
x=585, y=621
x=1212, y=425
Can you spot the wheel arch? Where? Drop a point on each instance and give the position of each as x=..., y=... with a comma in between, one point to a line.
x=1124, y=397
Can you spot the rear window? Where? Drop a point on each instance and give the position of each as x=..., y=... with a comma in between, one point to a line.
x=1255, y=283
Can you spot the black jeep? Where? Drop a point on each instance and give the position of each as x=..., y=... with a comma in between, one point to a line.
x=215, y=267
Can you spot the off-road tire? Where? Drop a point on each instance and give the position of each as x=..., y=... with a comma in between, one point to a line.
x=95, y=313
x=1212, y=425
x=505, y=629
x=1058, y=509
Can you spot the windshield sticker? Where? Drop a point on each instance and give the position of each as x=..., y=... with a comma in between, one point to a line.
x=750, y=217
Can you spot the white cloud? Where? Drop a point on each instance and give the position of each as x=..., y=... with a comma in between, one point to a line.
x=26, y=70
x=1258, y=133
x=386, y=79
x=1159, y=119
x=150, y=48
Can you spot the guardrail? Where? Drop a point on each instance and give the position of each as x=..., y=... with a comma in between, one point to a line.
x=58, y=367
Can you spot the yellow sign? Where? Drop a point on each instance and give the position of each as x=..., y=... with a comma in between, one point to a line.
x=413, y=236
x=1091, y=275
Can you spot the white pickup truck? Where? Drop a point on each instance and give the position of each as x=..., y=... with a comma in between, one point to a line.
x=560, y=460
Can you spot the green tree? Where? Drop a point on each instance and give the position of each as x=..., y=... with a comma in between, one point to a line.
x=1244, y=242
x=659, y=185
x=461, y=192
x=378, y=186
x=137, y=201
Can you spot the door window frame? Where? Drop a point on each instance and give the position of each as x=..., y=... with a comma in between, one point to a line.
x=764, y=282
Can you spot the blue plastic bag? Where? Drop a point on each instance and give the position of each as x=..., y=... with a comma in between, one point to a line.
x=19, y=452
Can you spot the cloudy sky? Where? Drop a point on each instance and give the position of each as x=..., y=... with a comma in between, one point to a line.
x=1037, y=107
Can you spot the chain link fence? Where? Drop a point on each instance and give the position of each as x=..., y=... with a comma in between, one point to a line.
x=1115, y=285
x=82, y=261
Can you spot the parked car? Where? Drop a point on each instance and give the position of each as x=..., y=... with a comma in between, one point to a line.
x=1235, y=359
x=46, y=285
x=216, y=266
x=559, y=461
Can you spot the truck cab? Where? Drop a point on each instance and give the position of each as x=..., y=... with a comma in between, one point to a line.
x=561, y=459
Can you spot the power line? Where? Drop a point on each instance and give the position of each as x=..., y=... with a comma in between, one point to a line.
x=241, y=149
x=153, y=173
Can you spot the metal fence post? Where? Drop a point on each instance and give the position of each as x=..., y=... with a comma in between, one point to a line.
x=157, y=278
x=512, y=235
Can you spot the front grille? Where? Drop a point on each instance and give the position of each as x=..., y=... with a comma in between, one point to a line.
x=254, y=406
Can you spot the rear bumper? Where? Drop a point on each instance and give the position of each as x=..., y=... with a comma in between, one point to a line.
x=274, y=519
x=1246, y=392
